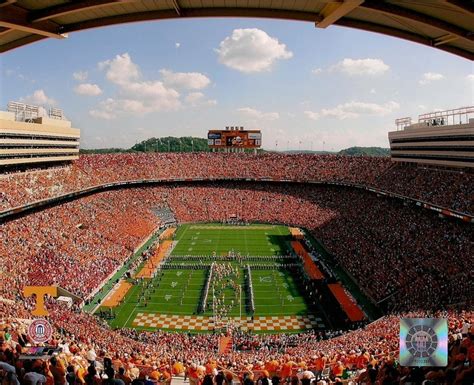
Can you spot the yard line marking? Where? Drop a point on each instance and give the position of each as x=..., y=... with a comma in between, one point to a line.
x=130, y=315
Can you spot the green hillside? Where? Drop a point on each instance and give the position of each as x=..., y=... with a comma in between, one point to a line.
x=366, y=151
x=172, y=144
x=189, y=144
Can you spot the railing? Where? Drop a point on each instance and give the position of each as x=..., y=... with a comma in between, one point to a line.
x=446, y=114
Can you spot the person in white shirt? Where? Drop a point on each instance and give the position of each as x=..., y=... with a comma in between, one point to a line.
x=465, y=328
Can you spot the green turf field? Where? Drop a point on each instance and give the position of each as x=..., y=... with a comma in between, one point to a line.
x=178, y=288
x=199, y=239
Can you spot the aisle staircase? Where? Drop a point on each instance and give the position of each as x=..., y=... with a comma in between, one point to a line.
x=225, y=345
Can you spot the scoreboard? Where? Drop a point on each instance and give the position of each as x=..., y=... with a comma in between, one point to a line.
x=234, y=138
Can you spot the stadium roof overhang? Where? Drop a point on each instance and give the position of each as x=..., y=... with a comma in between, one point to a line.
x=444, y=24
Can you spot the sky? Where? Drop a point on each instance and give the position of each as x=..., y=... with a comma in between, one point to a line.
x=305, y=88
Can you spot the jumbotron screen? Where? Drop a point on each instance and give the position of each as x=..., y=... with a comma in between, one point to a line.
x=234, y=138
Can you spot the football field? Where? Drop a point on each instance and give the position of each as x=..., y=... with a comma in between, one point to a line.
x=204, y=239
x=243, y=256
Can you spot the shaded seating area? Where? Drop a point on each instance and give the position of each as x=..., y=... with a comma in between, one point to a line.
x=353, y=312
x=309, y=266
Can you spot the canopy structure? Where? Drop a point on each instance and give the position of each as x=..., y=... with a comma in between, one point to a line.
x=444, y=24
x=66, y=300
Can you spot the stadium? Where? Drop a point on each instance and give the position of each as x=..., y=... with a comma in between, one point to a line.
x=236, y=263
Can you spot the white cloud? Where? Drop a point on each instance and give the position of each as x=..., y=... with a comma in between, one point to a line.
x=111, y=108
x=177, y=45
x=194, y=97
x=80, y=76
x=429, y=77
x=354, y=109
x=312, y=115
x=38, y=97
x=186, y=80
x=256, y=114
x=316, y=71
x=251, y=50
x=120, y=70
x=106, y=110
x=139, y=98
x=12, y=72
x=353, y=67
x=151, y=91
x=421, y=107
x=136, y=96
x=372, y=91
x=88, y=89
x=199, y=99
x=470, y=77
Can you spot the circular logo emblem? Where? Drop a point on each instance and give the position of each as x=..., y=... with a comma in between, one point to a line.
x=40, y=331
x=421, y=341
x=237, y=141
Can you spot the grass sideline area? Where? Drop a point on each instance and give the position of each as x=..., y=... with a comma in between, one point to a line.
x=109, y=285
x=178, y=290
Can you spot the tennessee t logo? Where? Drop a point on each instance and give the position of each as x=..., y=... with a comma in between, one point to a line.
x=40, y=291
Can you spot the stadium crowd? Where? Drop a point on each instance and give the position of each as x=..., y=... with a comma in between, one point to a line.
x=401, y=257
x=79, y=244
x=93, y=354
x=449, y=189
x=76, y=245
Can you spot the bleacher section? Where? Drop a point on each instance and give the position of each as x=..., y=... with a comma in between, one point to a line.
x=165, y=214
